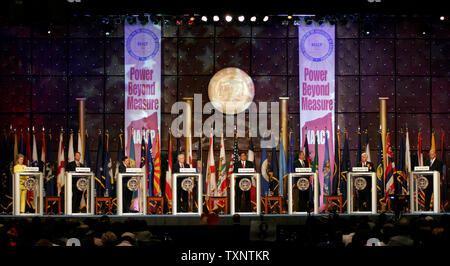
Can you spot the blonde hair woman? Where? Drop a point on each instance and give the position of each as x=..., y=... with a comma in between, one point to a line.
x=18, y=167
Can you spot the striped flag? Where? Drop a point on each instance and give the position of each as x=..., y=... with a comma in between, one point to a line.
x=345, y=168
x=337, y=165
x=43, y=153
x=211, y=170
x=157, y=167
x=326, y=169
x=401, y=173
x=444, y=184
x=420, y=192
x=222, y=172
x=390, y=169
x=79, y=149
x=31, y=200
x=189, y=153
x=367, y=147
x=234, y=156
x=61, y=165
x=408, y=168
x=251, y=157
x=70, y=153
x=168, y=187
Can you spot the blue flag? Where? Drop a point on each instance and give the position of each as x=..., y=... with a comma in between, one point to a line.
x=265, y=175
x=337, y=166
x=274, y=171
x=291, y=158
x=100, y=186
x=107, y=168
x=345, y=168
x=150, y=166
x=282, y=168
x=401, y=185
x=380, y=170
x=326, y=170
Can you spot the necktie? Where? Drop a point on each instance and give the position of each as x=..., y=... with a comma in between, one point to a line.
x=243, y=164
x=181, y=165
x=78, y=164
x=303, y=163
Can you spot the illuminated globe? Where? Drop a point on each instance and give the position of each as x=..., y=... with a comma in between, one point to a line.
x=231, y=90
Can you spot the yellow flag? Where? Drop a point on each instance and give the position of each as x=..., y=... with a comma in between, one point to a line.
x=433, y=142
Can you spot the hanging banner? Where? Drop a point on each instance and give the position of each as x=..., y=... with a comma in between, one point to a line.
x=317, y=94
x=142, y=84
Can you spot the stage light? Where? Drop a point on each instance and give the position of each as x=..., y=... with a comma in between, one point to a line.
x=289, y=17
x=192, y=18
x=49, y=32
x=228, y=18
x=442, y=18
x=266, y=18
x=205, y=18
x=253, y=19
x=241, y=18
x=216, y=18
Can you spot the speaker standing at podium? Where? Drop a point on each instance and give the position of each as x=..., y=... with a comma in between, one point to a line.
x=435, y=165
x=126, y=192
x=181, y=193
x=300, y=197
x=364, y=195
x=243, y=197
x=76, y=192
x=23, y=191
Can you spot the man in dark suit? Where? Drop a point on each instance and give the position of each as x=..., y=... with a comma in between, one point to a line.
x=76, y=193
x=183, y=195
x=126, y=193
x=435, y=165
x=242, y=197
x=300, y=198
x=363, y=196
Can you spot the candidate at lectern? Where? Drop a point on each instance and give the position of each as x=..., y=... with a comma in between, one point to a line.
x=300, y=196
x=243, y=186
x=78, y=189
x=364, y=189
x=183, y=192
x=18, y=167
x=435, y=165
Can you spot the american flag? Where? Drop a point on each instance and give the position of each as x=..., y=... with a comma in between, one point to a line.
x=234, y=156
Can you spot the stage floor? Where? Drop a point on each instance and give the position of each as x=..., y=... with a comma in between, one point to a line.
x=245, y=219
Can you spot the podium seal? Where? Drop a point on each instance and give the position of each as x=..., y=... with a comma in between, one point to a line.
x=360, y=183
x=422, y=183
x=132, y=184
x=245, y=184
x=30, y=183
x=82, y=183
x=187, y=184
x=303, y=183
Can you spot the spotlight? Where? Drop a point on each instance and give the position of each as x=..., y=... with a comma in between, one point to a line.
x=228, y=18
x=49, y=32
x=241, y=18
x=442, y=18
x=216, y=18
x=131, y=20
x=253, y=19
x=191, y=18
x=266, y=18
x=107, y=33
x=289, y=17
x=205, y=18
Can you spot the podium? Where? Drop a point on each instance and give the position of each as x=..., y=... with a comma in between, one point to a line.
x=131, y=193
x=190, y=186
x=358, y=186
x=79, y=183
x=420, y=188
x=33, y=180
x=302, y=184
x=244, y=185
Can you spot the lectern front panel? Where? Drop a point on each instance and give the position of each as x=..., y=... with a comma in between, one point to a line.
x=187, y=194
x=303, y=193
x=28, y=193
x=240, y=196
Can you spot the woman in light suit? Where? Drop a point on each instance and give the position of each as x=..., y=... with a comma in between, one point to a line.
x=18, y=167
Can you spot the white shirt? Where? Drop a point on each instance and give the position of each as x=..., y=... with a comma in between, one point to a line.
x=432, y=161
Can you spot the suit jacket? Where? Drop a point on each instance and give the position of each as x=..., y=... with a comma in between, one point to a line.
x=72, y=165
x=297, y=164
x=436, y=166
x=369, y=165
x=238, y=164
x=122, y=168
x=176, y=167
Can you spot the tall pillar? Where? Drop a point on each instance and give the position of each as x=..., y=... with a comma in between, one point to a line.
x=283, y=119
x=383, y=124
x=81, y=119
x=188, y=128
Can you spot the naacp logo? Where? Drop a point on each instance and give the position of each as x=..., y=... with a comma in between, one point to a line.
x=82, y=183
x=132, y=184
x=303, y=184
x=316, y=45
x=187, y=184
x=422, y=182
x=245, y=184
x=30, y=183
x=140, y=46
x=360, y=183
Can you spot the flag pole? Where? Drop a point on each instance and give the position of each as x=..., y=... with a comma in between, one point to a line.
x=81, y=119
x=383, y=124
